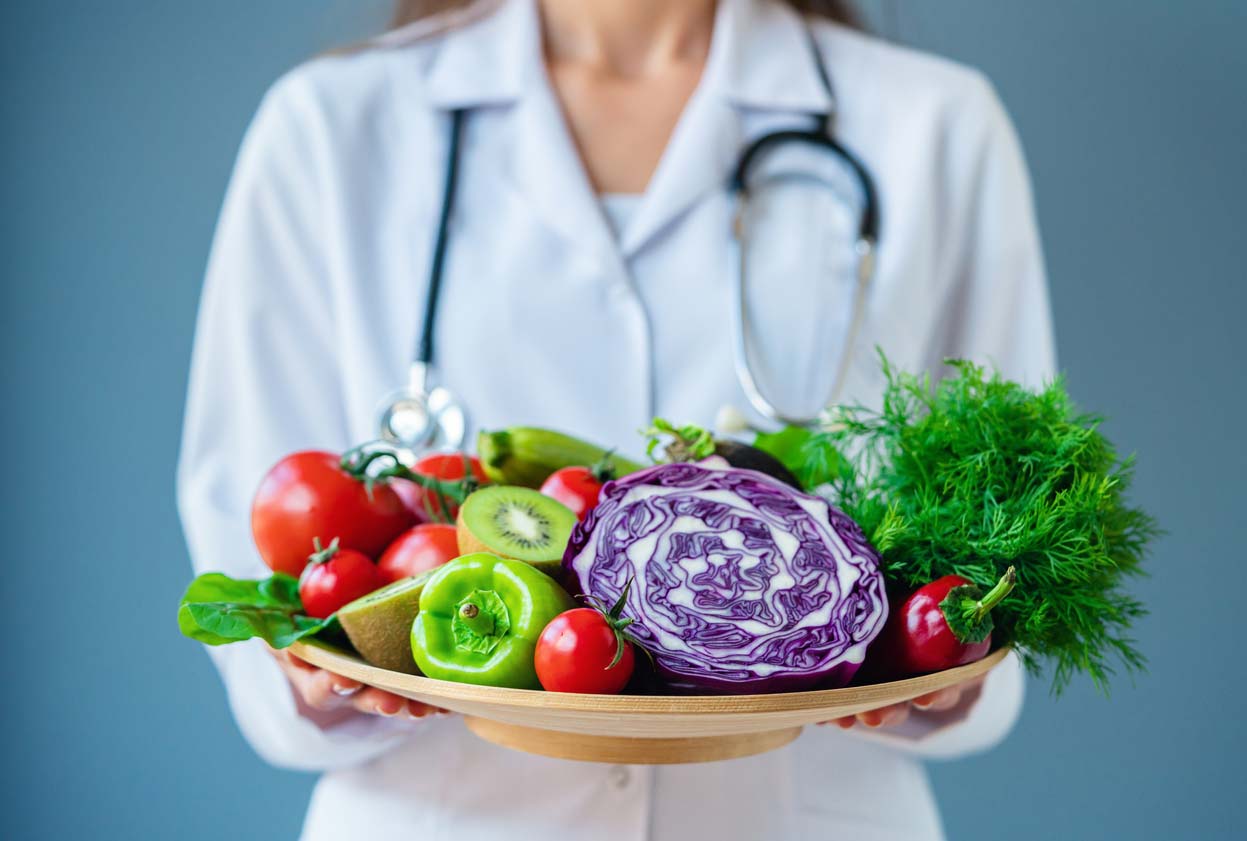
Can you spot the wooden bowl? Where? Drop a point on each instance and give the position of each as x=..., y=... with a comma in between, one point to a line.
x=638, y=729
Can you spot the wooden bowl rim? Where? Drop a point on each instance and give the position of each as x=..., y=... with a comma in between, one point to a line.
x=348, y=665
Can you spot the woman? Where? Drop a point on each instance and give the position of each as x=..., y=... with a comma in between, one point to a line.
x=587, y=288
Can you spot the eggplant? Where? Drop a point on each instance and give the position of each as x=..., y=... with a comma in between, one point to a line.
x=693, y=443
x=751, y=458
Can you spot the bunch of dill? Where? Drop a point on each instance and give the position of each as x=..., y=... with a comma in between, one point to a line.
x=975, y=474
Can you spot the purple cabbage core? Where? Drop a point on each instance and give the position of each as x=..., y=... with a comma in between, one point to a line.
x=740, y=583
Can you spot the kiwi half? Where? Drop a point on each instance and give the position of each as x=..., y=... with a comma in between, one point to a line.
x=516, y=523
x=379, y=624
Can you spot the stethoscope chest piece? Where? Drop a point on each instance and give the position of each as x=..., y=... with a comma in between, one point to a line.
x=420, y=419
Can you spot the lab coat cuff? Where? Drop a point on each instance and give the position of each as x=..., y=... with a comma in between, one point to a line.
x=979, y=722
x=264, y=706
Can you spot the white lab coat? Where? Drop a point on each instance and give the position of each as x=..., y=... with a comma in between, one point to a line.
x=310, y=315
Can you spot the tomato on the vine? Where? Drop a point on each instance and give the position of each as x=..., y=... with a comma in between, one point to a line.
x=335, y=577
x=425, y=505
x=420, y=548
x=578, y=487
x=307, y=495
x=586, y=650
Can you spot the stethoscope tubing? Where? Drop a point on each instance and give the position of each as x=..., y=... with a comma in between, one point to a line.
x=418, y=392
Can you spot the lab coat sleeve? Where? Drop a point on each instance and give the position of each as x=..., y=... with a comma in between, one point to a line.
x=997, y=310
x=265, y=382
x=997, y=314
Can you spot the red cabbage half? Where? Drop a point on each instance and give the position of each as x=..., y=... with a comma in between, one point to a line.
x=740, y=583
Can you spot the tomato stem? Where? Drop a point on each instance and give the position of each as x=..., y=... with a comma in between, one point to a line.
x=617, y=622
x=322, y=555
x=358, y=464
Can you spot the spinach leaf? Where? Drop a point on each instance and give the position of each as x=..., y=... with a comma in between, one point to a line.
x=217, y=609
x=813, y=462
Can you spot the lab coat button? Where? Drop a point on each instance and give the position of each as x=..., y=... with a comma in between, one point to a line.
x=619, y=776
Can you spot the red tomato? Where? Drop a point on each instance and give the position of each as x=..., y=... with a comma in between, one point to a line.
x=419, y=548
x=575, y=487
x=412, y=496
x=575, y=651
x=424, y=504
x=308, y=495
x=335, y=577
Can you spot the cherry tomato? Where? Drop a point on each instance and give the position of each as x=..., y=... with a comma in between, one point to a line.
x=424, y=505
x=335, y=577
x=308, y=495
x=575, y=652
x=575, y=487
x=419, y=548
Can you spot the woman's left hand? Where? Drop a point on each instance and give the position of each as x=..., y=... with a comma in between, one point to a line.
x=939, y=701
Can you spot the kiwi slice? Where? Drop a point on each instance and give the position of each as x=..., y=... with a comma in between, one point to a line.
x=517, y=523
x=379, y=624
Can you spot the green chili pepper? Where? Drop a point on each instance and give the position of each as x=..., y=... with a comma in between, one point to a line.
x=480, y=617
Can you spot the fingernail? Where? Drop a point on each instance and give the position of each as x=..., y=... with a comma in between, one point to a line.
x=845, y=723
x=923, y=704
x=344, y=691
x=388, y=708
x=871, y=720
x=429, y=712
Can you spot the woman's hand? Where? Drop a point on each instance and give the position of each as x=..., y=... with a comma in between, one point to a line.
x=327, y=698
x=941, y=700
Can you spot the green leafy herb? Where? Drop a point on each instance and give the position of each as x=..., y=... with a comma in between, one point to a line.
x=217, y=609
x=976, y=474
x=689, y=442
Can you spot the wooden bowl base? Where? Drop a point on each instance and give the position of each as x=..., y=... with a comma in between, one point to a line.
x=638, y=729
x=622, y=750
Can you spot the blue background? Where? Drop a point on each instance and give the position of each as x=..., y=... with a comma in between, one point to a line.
x=121, y=120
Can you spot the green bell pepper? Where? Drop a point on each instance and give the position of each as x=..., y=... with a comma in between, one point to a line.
x=480, y=617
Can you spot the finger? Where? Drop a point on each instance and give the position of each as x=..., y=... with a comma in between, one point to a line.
x=844, y=723
x=419, y=709
x=288, y=659
x=343, y=686
x=888, y=716
x=378, y=702
x=939, y=700
x=947, y=698
x=316, y=689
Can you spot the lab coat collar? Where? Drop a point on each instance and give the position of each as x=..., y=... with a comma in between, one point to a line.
x=759, y=59
x=490, y=55
x=491, y=46
x=494, y=58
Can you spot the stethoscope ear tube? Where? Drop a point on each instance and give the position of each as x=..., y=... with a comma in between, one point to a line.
x=820, y=136
x=865, y=250
x=421, y=417
x=868, y=222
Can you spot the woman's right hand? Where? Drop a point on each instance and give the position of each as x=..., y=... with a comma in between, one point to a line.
x=327, y=698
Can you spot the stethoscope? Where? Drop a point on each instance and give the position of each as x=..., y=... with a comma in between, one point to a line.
x=427, y=416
